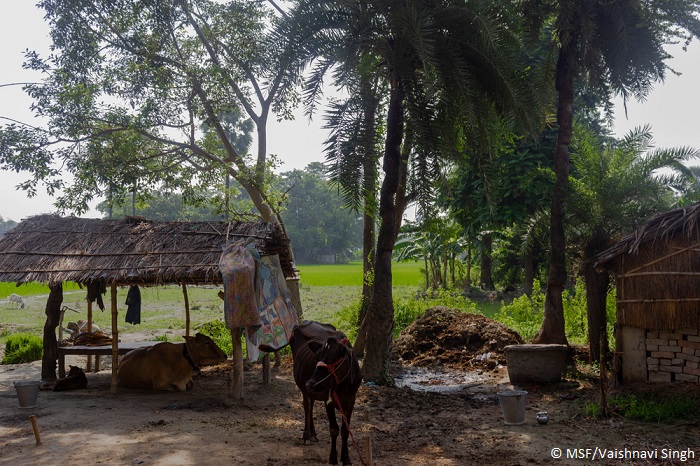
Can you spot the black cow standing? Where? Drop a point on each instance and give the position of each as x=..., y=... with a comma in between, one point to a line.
x=326, y=369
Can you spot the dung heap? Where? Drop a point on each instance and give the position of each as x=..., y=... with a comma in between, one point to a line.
x=454, y=339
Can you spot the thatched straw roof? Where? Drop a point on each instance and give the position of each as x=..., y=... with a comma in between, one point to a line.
x=52, y=249
x=657, y=272
x=660, y=228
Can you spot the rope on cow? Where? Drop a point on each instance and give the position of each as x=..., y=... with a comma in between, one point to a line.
x=331, y=368
x=347, y=426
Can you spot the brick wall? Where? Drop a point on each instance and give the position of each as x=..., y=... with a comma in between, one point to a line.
x=673, y=355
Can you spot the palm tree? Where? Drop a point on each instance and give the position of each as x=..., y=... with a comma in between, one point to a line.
x=444, y=64
x=616, y=47
x=615, y=188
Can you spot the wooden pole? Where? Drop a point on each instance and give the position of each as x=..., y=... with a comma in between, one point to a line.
x=236, y=380
x=187, y=310
x=35, y=427
x=368, y=450
x=266, y=370
x=603, y=378
x=88, y=368
x=115, y=339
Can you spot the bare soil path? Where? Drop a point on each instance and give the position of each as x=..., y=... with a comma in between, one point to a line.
x=204, y=426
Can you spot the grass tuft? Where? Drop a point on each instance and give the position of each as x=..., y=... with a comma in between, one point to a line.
x=649, y=407
x=22, y=348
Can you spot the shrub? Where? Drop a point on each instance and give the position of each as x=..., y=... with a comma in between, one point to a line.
x=408, y=309
x=524, y=314
x=22, y=348
x=217, y=331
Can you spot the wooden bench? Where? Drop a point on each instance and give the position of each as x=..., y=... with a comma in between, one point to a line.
x=104, y=350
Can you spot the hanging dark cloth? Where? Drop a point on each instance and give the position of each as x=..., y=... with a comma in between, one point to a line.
x=133, y=300
x=95, y=290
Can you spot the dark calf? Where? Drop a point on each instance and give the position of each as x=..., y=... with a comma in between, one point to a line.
x=75, y=379
x=326, y=369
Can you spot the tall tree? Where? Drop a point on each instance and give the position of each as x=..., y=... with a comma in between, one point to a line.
x=615, y=47
x=498, y=186
x=315, y=217
x=444, y=64
x=615, y=187
x=145, y=76
x=353, y=151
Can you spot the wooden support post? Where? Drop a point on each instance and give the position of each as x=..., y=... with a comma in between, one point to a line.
x=293, y=286
x=266, y=370
x=60, y=325
x=368, y=450
x=88, y=368
x=187, y=310
x=115, y=339
x=236, y=380
x=35, y=428
x=603, y=378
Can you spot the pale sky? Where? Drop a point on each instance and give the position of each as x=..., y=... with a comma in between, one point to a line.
x=672, y=109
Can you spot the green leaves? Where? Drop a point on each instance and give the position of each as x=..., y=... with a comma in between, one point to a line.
x=128, y=86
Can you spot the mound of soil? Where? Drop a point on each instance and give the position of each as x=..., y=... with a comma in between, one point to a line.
x=451, y=338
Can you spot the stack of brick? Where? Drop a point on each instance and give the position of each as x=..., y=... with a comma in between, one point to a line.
x=673, y=355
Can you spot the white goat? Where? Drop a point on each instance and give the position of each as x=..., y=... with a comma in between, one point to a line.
x=16, y=299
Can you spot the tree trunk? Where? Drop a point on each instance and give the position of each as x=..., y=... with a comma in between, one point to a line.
x=552, y=330
x=367, y=285
x=427, y=271
x=468, y=281
x=486, y=280
x=596, y=297
x=380, y=313
x=370, y=103
x=529, y=271
x=53, y=314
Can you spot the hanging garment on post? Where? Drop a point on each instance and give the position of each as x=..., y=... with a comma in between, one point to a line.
x=95, y=290
x=133, y=300
x=277, y=313
x=238, y=269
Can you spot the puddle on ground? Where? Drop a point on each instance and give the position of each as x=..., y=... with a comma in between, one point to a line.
x=438, y=381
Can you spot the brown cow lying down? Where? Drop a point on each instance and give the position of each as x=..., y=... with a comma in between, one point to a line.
x=168, y=366
x=75, y=379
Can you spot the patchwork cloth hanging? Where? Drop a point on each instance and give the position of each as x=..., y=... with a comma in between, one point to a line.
x=277, y=313
x=239, y=271
x=256, y=297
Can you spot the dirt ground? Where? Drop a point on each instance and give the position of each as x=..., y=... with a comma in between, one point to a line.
x=453, y=425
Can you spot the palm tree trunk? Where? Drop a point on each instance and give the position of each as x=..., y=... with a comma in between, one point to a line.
x=486, y=280
x=596, y=297
x=367, y=266
x=369, y=166
x=427, y=271
x=468, y=281
x=380, y=313
x=529, y=272
x=552, y=330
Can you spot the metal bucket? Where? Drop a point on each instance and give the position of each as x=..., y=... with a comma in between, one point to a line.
x=513, y=406
x=27, y=393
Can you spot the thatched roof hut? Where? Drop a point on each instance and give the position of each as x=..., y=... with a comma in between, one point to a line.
x=134, y=251
x=657, y=273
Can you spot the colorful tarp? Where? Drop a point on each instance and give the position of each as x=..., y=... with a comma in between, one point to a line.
x=256, y=297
